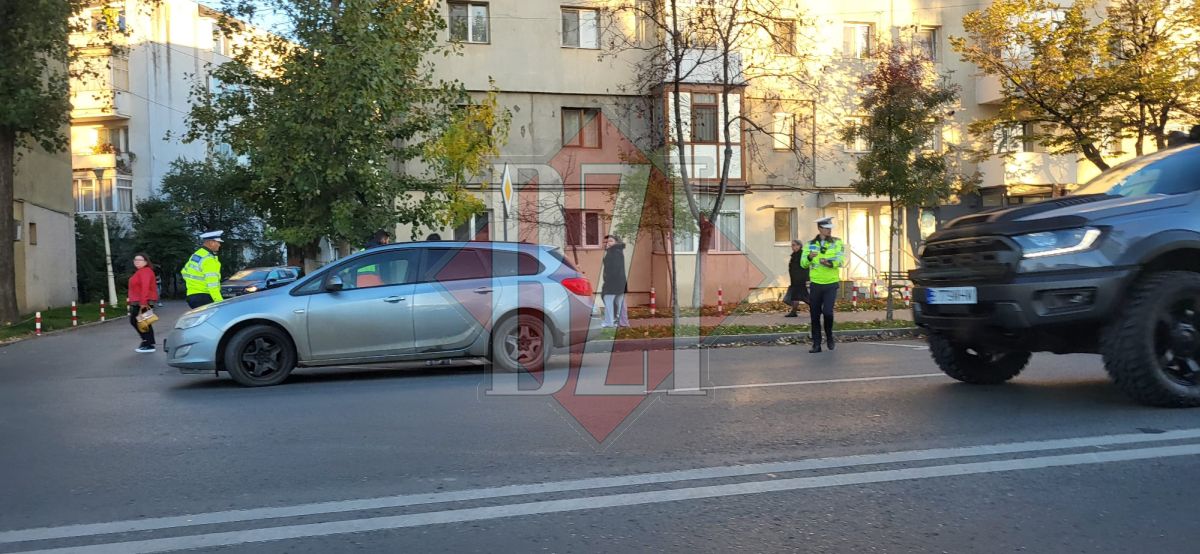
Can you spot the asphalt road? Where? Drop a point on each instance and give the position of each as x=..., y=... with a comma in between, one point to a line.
x=866, y=449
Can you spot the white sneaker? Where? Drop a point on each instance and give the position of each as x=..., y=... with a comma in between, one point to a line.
x=144, y=349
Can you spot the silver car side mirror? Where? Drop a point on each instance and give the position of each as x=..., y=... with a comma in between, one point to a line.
x=334, y=284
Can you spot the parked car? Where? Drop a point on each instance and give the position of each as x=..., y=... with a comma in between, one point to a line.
x=1113, y=269
x=503, y=303
x=256, y=279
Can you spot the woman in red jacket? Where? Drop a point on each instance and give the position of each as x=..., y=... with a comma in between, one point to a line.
x=142, y=295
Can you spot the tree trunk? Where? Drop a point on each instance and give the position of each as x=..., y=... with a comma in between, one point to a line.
x=312, y=253
x=1139, y=147
x=892, y=232
x=1093, y=155
x=8, y=264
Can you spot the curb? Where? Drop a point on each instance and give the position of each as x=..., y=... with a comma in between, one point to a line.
x=31, y=336
x=636, y=345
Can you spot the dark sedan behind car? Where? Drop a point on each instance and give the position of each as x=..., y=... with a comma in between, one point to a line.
x=255, y=279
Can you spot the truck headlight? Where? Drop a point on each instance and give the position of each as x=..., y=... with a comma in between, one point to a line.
x=192, y=320
x=251, y=288
x=1054, y=243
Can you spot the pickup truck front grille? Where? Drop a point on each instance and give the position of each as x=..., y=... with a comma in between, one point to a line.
x=972, y=260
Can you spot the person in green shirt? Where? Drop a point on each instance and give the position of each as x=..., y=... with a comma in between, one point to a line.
x=824, y=261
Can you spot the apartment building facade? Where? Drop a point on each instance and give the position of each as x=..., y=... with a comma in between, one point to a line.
x=129, y=112
x=579, y=111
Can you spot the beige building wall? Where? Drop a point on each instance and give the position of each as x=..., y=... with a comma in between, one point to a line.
x=45, y=248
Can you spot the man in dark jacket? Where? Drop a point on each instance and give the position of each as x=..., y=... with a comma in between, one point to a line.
x=613, y=288
x=797, y=292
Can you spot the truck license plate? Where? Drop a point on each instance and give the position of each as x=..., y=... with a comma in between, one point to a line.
x=951, y=295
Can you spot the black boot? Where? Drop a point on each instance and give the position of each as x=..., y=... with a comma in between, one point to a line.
x=791, y=314
x=816, y=349
x=830, y=343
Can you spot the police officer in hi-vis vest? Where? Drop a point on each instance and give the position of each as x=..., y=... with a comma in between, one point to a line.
x=825, y=258
x=202, y=272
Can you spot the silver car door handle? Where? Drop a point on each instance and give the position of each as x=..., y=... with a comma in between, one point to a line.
x=483, y=290
x=393, y=299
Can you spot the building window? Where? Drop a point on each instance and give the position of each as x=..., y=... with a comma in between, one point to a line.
x=468, y=22
x=107, y=19
x=704, y=117
x=32, y=234
x=859, y=144
x=783, y=131
x=581, y=127
x=18, y=230
x=926, y=43
x=87, y=195
x=785, y=37
x=583, y=228
x=220, y=44
x=858, y=40
x=124, y=201
x=934, y=144
x=727, y=233
x=120, y=72
x=785, y=225
x=646, y=18
x=478, y=227
x=118, y=137
x=1011, y=138
x=580, y=28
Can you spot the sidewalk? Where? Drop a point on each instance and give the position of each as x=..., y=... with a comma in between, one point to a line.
x=776, y=319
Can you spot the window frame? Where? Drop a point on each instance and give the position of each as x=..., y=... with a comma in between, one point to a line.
x=584, y=124
x=859, y=146
x=578, y=11
x=715, y=107
x=935, y=48
x=472, y=226
x=470, y=37
x=793, y=224
x=582, y=234
x=716, y=247
x=33, y=238
x=346, y=266
x=853, y=27
x=783, y=48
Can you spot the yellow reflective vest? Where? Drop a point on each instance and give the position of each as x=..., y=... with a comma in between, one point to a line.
x=202, y=274
x=833, y=250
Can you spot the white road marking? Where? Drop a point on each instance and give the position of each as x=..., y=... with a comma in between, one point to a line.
x=794, y=383
x=398, y=501
x=251, y=536
x=895, y=345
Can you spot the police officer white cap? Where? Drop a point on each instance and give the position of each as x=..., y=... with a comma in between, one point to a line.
x=825, y=222
x=212, y=235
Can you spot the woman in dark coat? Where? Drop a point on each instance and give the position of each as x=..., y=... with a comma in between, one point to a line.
x=797, y=291
x=612, y=289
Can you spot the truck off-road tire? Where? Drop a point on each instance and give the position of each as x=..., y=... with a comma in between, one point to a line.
x=1152, y=349
x=260, y=356
x=520, y=342
x=973, y=365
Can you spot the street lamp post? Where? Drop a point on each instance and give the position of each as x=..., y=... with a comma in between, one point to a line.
x=112, y=283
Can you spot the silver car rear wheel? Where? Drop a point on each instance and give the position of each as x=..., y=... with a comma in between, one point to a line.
x=520, y=343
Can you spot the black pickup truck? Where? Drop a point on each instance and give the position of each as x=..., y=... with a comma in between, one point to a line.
x=1112, y=269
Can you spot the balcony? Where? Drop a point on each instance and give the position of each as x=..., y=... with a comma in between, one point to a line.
x=122, y=162
x=89, y=106
x=1030, y=168
x=988, y=90
x=703, y=66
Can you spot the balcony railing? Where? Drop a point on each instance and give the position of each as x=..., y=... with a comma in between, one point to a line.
x=122, y=162
x=1030, y=168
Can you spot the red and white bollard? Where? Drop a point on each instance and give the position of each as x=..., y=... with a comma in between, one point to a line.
x=653, y=302
x=102, y=310
x=720, y=301
x=854, y=296
x=907, y=296
x=74, y=315
x=37, y=323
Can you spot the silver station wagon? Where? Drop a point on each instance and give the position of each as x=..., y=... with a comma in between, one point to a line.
x=507, y=304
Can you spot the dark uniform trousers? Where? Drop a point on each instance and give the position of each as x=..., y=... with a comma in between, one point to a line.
x=196, y=300
x=820, y=302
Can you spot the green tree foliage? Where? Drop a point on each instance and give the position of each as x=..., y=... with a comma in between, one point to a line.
x=35, y=70
x=334, y=117
x=90, y=271
x=159, y=230
x=1083, y=76
x=906, y=107
x=205, y=196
